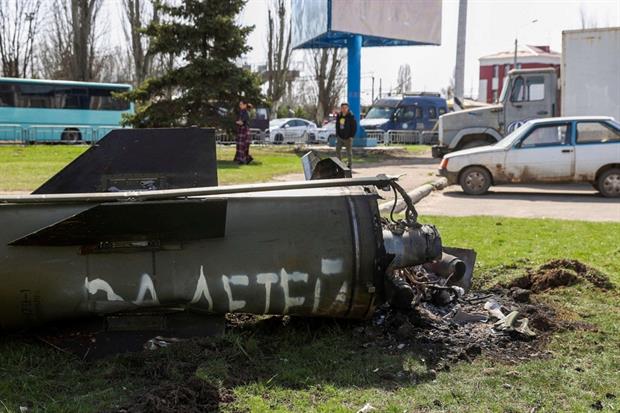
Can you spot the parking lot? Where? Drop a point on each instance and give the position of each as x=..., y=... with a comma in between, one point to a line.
x=574, y=201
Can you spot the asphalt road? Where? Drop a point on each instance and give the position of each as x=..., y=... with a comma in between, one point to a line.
x=578, y=202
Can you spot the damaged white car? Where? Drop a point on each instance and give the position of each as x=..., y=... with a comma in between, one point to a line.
x=552, y=150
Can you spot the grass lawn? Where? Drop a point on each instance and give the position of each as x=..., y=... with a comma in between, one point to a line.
x=24, y=168
x=313, y=366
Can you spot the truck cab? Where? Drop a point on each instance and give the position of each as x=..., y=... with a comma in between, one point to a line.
x=527, y=94
x=410, y=112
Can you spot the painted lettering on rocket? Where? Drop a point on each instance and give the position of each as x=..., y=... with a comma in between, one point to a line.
x=234, y=305
x=317, y=295
x=284, y=283
x=146, y=284
x=202, y=290
x=92, y=287
x=330, y=266
x=147, y=294
x=267, y=278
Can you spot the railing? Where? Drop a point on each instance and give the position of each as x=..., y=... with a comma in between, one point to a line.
x=11, y=133
x=378, y=134
x=402, y=137
x=257, y=136
x=53, y=133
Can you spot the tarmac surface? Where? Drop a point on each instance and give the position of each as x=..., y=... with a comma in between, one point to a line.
x=572, y=202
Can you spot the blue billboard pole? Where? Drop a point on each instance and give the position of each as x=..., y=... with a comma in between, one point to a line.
x=354, y=76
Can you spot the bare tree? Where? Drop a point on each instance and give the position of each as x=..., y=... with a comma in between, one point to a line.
x=327, y=70
x=278, y=52
x=138, y=15
x=19, y=20
x=71, y=50
x=404, y=79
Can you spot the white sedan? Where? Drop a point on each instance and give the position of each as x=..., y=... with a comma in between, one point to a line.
x=292, y=130
x=557, y=150
x=327, y=131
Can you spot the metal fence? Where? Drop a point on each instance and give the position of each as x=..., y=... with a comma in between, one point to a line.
x=11, y=133
x=256, y=135
x=377, y=134
x=53, y=133
x=402, y=137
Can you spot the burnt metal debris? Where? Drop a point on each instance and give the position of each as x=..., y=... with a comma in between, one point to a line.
x=313, y=248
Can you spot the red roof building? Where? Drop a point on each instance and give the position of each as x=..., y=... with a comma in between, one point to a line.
x=494, y=68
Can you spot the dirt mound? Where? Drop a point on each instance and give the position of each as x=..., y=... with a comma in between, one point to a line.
x=561, y=273
x=194, y=395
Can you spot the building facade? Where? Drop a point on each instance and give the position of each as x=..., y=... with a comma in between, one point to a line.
x=495, y=67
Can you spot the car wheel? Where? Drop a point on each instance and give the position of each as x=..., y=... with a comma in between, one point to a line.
x=609, y=183
x=278, y=139
x=475, y=180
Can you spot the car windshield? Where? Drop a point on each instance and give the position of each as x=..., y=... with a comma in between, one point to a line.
x=379, y=112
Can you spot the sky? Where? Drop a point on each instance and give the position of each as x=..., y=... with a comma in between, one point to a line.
x=491, y=27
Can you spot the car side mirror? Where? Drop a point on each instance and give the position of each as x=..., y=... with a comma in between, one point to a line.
x=285, y=126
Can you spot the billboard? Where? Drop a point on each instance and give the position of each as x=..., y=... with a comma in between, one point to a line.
x=329, y=23
x=309, y=20
x=416, y=21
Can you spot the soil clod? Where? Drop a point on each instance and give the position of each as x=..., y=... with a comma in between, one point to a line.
x=559, y=273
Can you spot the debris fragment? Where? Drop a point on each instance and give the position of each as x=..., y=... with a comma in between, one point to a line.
x=160, y=342
x=366, y=408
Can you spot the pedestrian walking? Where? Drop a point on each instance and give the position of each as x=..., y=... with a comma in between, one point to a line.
x=242, y=155
x=346, y=126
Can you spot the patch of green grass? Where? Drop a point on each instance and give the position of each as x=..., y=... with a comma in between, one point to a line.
x=24, y=168
x=417, y=149
x=313, y=365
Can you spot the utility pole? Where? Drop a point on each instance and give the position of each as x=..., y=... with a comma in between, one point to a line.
x=30, y=17
x=459, y=69
x=380, y=84
x=373, y=89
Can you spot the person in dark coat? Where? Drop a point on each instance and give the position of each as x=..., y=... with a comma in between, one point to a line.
x=242, y=155
x=346, y=126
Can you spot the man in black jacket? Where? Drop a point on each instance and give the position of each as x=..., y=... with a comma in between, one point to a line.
x=346, y=126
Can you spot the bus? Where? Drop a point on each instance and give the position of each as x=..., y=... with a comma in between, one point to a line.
x=33, y=110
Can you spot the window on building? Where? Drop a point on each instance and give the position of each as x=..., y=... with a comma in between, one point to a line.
x=506, y=69
x=495, y=71
x=596, y=132
x=518, y=65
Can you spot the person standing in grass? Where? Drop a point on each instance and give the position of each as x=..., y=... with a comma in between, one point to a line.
x=242, y=155
x=346, y=126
